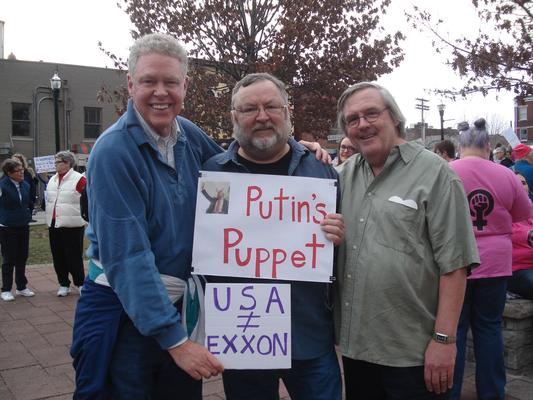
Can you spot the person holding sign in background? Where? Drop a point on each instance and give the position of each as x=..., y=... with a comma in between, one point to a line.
x=262, y=127
x=403, y=264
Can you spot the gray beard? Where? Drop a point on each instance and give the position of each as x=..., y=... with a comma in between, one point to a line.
x=261, y=148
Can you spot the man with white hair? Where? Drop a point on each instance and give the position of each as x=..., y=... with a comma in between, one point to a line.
x=131, y=340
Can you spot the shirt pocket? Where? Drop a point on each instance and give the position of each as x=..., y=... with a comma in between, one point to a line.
x=396, y=226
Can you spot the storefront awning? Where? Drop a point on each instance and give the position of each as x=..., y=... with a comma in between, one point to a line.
x=81, y=148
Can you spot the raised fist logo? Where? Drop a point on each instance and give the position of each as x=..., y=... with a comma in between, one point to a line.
x=481, y=205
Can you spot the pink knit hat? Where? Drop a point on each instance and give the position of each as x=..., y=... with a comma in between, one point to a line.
x=521, y=151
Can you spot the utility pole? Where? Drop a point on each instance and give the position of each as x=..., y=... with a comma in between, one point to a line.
x=441, y=108
x=422, y=107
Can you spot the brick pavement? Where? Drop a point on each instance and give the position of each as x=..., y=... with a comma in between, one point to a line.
x=35, y=334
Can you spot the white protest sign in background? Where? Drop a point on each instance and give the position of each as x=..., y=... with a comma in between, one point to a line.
x=263, y=226
x=511, y=137
x=44, y=164
x=248, y=325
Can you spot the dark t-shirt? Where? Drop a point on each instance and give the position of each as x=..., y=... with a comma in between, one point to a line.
x=280, y=167
x=507, y=162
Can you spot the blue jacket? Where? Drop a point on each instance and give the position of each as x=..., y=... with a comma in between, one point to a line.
x=526, y=170
x=142, y=218
x=14, y=212
x=312, y=324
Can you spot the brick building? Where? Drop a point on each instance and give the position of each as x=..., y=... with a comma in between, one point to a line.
x=524, y=119
x=27, y=107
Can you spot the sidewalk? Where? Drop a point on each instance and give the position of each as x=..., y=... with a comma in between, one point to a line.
x=35, y=334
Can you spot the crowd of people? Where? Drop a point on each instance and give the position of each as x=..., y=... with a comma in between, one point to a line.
x=425, y=246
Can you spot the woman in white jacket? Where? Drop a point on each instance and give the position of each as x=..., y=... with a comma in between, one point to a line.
x=65, y=224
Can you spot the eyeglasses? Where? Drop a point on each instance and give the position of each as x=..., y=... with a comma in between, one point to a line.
x=18, y=170
x=59, y=162
x=253, y=111
x=371, y=116
x=348, y=148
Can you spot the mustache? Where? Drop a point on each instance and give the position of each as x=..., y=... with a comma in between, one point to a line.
x=260, y=127
x=367, y=130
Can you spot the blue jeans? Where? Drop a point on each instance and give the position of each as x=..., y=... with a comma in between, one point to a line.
x=315, y=379
x=482, y=312
x=521, y=283
x=140, y=370
x=98, y=318
x=368, y=381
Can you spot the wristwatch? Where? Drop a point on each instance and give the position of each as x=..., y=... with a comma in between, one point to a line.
x=443, y=338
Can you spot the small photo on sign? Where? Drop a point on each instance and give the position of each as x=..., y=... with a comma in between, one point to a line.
x=215, y=197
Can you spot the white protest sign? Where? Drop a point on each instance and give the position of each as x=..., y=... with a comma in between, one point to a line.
x=248, y=325
x=263, y=226
x=44, y=164
x=511, y=137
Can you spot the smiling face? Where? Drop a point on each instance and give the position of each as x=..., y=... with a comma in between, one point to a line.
x=346, y=149
x=262, y=135
x=157, y=87
x=374, y=140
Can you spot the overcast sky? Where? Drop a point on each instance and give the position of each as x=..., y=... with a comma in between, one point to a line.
x=32, y=33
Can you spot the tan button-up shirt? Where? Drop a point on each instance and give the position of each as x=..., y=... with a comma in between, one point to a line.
x=404, y=228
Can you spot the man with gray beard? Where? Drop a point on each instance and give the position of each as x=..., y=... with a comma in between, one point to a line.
x=261, y=127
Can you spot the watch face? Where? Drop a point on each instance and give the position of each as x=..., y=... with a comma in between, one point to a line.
x=441, y=338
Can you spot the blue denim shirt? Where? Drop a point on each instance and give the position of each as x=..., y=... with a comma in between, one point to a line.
x=142, y=218
x=311, y=316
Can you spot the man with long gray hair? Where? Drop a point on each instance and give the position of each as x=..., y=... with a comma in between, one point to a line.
x=402, y=267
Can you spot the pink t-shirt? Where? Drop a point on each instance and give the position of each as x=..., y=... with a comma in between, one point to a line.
x=523, y=245
x=497, y=199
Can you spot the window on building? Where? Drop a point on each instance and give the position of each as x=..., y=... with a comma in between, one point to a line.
x=523, y=135
x=93, y=122
x=20, y=117
x=522, y=113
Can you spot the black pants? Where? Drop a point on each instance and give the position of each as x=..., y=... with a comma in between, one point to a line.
x=367, y=381
x=14, y=242
x=67, y=252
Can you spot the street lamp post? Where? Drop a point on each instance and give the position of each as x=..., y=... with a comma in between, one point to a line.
x=441, y=108
x=55, y=85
